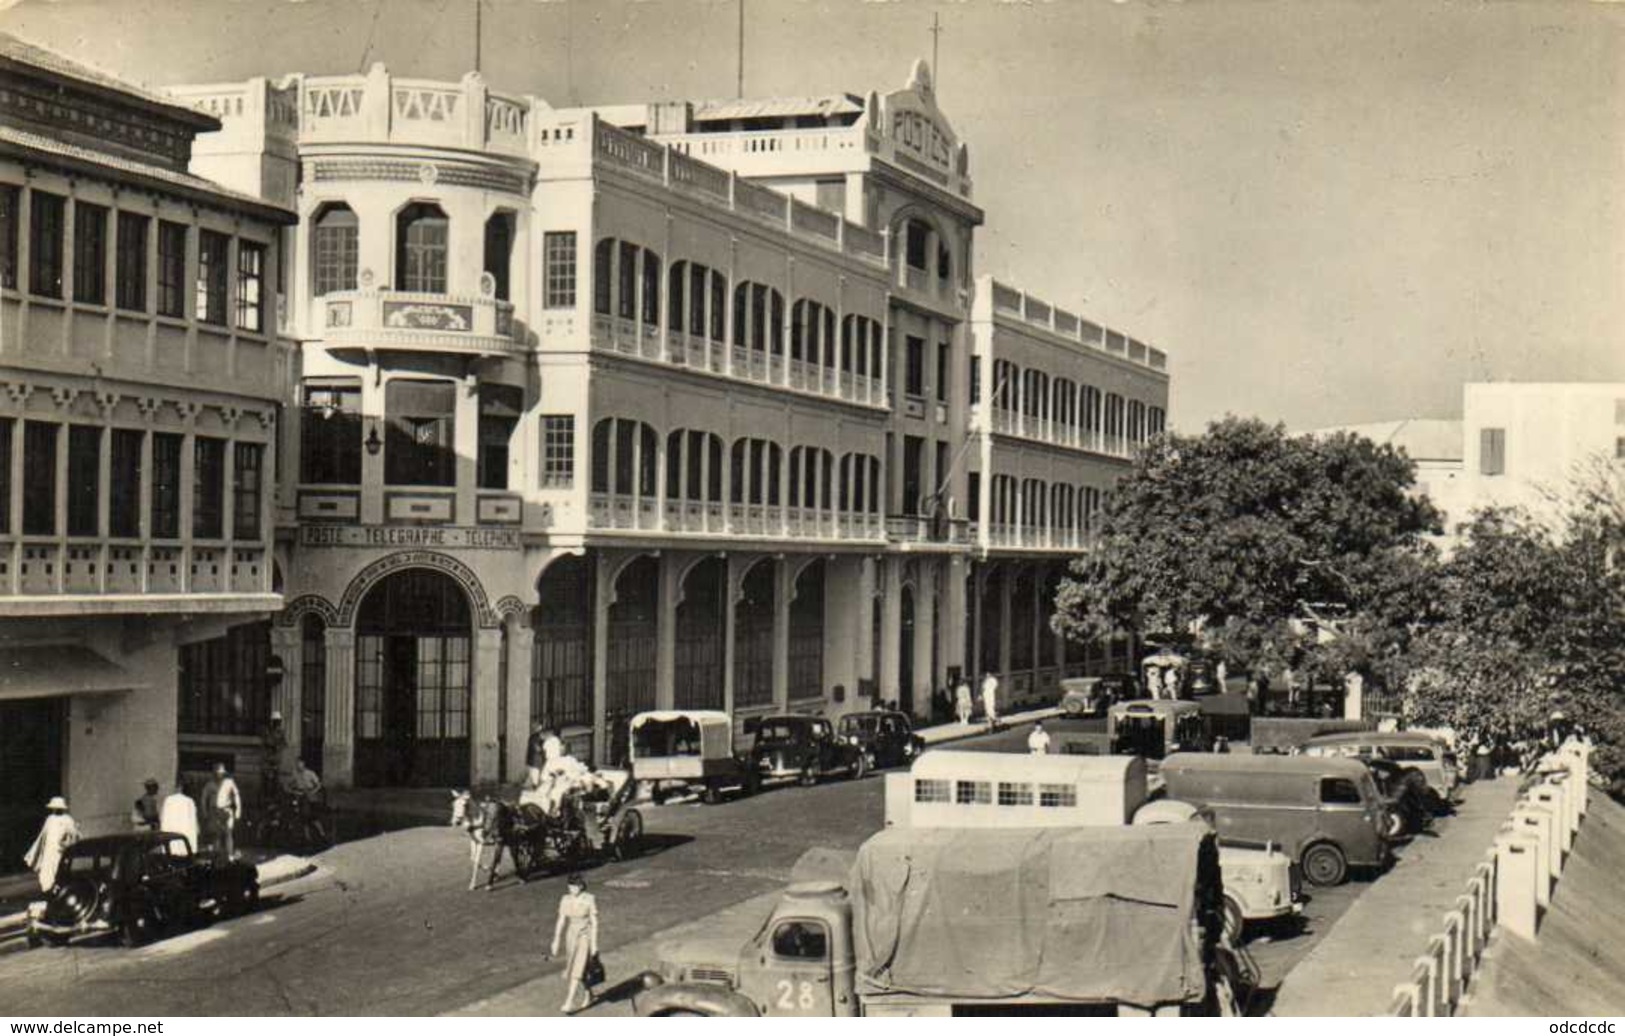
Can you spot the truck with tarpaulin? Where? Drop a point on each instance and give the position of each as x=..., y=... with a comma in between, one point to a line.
x=942, y=922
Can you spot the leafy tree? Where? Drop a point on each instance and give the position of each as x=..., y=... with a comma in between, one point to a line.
x=1533, y=621
x=1244, y=532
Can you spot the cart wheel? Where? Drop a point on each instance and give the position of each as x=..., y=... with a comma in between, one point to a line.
x=524, y=859
x=628, y=834
x=712, y=793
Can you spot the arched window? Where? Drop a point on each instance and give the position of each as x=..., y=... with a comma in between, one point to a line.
x=1006, y=384
x=625, y=457
x=1136, y=421
x=651, y=287
x=755, y=472
x=499, y=231
x=1066, y=408
x=626, y=281
x=810, y=478
x=758, y=318
x=1157, y=419
x=1091, y=415
x=421, y=233
x=1114, y=422
x=694, y=466
x=860, y=345
x=335, y=249
x=603, y=284
x=860, y=484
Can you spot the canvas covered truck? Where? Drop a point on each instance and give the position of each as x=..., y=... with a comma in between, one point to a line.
x=942, y=922
x=947, y=788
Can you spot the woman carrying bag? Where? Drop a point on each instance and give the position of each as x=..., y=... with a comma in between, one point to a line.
x=578, y=927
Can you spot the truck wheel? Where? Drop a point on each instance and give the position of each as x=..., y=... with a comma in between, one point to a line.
x=1325, y=865
x=1234, y=921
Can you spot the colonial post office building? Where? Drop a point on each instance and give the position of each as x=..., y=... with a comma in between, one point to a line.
x=693, y=405
x=141, y=378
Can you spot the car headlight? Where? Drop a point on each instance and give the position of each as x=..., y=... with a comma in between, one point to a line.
x=852, y=740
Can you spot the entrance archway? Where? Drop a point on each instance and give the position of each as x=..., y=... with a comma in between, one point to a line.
x=412, y=682
x=700, y=626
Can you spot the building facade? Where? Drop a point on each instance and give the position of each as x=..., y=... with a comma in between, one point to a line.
x=143, y=373
x=673, y=405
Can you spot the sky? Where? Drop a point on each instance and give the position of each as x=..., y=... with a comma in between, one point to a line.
x=1326, y=212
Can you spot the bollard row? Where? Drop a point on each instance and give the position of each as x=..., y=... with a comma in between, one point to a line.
x=1510, y=888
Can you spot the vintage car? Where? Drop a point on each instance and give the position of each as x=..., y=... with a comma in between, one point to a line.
x=803, y=747
x=137, y=885
x=886, y=736
x=1406, y=793
x=1087, y=695
x=1424, y=752
x=1154, y=729
x=682, y=749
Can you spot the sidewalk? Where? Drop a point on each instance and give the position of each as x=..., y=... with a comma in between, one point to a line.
x=1373, y=947
x=955, y=731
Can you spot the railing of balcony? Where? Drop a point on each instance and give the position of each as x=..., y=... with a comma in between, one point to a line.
x=625, y=511
x=1036, y=312
x=51, y=568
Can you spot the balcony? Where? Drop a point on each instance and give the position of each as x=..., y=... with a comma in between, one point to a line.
x=419, y=322
x=115, y=576
x=628, y=337
x=700, y=518
x=919, y=530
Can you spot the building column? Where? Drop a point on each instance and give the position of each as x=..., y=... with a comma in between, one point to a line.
x=1006, y=586
x=978, y=631
x=731, y=576
x=891, y=628
x=783, y=593
x=484, y=721
x=670, y=596
x=951, y=635
x=286, y=644
x=338, y=747
x=602, y=597
x=925, y=591
x=521, y=646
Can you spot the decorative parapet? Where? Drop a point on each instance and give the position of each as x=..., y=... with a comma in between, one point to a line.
x=674, y=168
x=384, y=319
x=1006, y=301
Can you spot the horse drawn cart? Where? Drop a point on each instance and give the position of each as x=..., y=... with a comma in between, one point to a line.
x=586, y=825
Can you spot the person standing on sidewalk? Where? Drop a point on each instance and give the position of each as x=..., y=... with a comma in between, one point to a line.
x=58, y=832
x=178, y=815
x=228, y=809
x=577, y=927
x=144, y=814
x=990, y=700
x=962, y=702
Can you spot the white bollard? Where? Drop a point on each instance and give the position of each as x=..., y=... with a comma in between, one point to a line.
x=1533, y=815
x=1516, y=857
x=1549, y=795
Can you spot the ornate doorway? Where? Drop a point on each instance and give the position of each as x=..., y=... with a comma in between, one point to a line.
x=412, y=682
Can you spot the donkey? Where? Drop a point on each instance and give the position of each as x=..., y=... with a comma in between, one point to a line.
x=487, y=822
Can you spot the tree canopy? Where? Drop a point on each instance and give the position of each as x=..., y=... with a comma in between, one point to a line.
x=1245, y=532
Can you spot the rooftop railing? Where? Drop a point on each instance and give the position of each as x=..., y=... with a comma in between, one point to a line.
x=1015, y=303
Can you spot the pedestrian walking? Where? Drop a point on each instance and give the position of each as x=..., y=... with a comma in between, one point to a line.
x=178, y=815
x=990, y=700
x=577, y=929
x=144, y=814
x=228, y=809
x=1038, y=740
x=58, y=832
x=962, y=702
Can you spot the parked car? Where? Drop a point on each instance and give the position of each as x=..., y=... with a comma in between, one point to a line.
x=137, y=885
x=803, y=747
x=685, y=749
x=1153, y=729
x=1087, y=695
x=1426, y=752
x=1326, y=813
x=886, y=735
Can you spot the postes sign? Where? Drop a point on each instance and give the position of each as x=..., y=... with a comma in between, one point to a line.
x=457, y=536
x=923, y=136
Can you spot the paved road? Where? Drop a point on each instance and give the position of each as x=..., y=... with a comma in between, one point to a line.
x=387, y=928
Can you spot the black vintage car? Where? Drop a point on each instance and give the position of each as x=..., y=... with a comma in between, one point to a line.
x=137, y=885
x=885, y=736
x=803, y=747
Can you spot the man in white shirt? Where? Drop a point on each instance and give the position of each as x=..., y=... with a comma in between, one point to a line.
x=58, y=832
x=178, y=815
x=228, y=808
x=1038, y=740
x=990, y=700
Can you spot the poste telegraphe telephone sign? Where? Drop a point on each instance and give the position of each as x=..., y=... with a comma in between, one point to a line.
x=450, y=536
